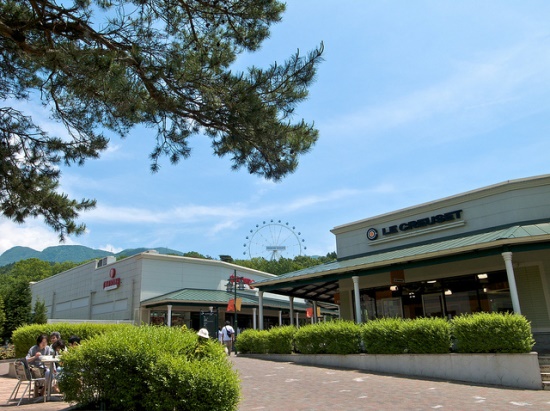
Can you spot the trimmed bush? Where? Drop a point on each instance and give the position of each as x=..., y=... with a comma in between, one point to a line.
x=384, y=336
x=427, y=336
x=336, y=337
x=150, y=368
x=25, y=337
x=280, y=340
x=252, y=341
x=492, y=333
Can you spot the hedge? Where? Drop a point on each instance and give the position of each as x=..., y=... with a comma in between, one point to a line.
x=472, y=333
x=492, y=333
x=335, y=337
x=25, y=337
x=398, y=336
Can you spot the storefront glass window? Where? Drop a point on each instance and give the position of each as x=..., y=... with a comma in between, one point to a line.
x=443, y=297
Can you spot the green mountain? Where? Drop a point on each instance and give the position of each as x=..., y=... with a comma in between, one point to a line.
x=75, y=253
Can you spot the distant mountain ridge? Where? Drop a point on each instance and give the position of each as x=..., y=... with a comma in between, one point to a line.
x=74, y=253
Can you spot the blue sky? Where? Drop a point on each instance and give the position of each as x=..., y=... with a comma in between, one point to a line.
x=415, y=101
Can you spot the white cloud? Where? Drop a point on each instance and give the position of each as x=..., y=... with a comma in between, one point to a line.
x=32, y=234
x=111, y=248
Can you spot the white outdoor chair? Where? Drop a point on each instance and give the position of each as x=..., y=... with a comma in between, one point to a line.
x=24, y=376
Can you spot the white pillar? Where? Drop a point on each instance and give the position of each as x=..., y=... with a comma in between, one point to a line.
x=315, y=319
x=261, y=306
x=297, y=319
x=291, y=314
x=169, y=315
x=511, y=281
x=280, y=318
x=357, y=300
x=254, y=317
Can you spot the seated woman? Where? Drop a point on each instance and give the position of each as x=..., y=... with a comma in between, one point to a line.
x=58, y=348
x=33, y=358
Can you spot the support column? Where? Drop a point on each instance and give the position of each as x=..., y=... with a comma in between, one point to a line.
x=261, y=304
x=297, y=319
x=357, y=300
x=315, y=319
x=254, y=314
x=90, y=312
x=53, y=305
x=511, y=281
x=291, y=314
x=169, y=315
x=280, y=318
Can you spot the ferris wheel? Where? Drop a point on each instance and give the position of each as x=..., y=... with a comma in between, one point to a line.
x=273, y=240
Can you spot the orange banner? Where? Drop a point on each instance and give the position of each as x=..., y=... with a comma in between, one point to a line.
x=231, y=305
x=309, y=312
x=238, y=304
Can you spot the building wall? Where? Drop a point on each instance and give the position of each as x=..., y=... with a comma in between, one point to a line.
x=504, y=204
x=79, y=293
x=161, y=276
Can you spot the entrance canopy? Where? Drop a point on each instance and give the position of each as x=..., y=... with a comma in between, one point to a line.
x=320, y=283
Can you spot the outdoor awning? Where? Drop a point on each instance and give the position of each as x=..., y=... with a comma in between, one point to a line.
x=198, y=297
x=320, y=282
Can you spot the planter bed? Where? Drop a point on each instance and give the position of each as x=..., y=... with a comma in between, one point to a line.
x=508, y=370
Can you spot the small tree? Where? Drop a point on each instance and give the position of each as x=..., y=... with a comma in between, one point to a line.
x=2, y=315
x=39, y=314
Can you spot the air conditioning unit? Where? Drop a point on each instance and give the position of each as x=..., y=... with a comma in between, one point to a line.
x=105, y=261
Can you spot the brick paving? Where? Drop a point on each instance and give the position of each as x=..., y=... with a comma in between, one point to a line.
x=270, y=386
x=284, y=386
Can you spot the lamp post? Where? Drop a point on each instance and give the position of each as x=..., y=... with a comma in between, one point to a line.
x=233, y=283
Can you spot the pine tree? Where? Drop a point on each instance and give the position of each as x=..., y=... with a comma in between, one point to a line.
x=104, y=66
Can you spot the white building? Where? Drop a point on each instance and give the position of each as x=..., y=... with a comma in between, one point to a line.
x=153, y=288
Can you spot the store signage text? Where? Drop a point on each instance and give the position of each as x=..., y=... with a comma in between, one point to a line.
x=113, y=283
x=372, y=233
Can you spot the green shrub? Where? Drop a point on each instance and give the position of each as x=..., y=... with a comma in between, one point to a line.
x=25, y=337
x=280, y=340
x=7, y=352
x=252, y=341
x=427, y=336
x=384, y=336
x=134, y=368
x=492, y=333
x=398, y=336
x=335, y=337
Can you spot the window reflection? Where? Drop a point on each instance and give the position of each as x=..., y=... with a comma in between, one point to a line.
x=443, y=297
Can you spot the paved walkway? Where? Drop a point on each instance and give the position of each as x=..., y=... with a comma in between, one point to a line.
x=275, y=386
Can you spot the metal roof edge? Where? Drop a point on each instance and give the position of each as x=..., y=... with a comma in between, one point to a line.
x=410, y=258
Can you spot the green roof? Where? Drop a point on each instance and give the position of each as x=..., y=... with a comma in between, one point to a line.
x=190, y=296
x=520, y=234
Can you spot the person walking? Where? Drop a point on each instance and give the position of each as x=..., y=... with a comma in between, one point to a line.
x=228, y=336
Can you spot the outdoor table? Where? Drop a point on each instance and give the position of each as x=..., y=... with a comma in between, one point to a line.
x=50, y=362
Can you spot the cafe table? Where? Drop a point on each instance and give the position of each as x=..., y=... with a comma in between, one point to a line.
x=49, y=361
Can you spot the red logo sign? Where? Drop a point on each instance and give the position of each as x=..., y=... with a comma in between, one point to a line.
x=112, y=273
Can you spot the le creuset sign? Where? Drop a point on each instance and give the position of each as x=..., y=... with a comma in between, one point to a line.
x=113, y=283
x=372, y=233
